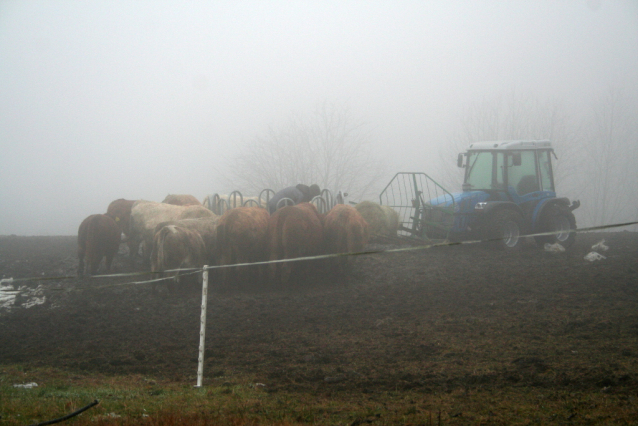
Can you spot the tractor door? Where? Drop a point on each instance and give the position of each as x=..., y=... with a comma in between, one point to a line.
x=522, y=175
x=529, y=172
x=529, y=179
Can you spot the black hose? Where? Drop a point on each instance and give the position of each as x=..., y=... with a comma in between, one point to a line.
x=68, y=416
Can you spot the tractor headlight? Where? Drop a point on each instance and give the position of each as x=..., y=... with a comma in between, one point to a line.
x=480, y=206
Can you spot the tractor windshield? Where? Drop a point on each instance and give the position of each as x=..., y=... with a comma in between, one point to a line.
x=481, y=173
x=479, y=170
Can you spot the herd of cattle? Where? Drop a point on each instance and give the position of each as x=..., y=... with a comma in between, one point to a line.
x=180, y=232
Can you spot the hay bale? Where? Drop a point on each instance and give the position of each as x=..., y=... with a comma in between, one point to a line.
x=382, y=220
x=181, y=200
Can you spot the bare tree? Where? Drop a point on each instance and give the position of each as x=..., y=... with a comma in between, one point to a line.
x=609, y=174
x=510, y=118
x=330, y=148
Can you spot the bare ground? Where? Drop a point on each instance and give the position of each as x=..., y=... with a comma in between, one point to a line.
x=436, y=320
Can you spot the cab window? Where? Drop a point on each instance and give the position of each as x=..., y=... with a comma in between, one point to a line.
x=479, y=170
x=523, y=177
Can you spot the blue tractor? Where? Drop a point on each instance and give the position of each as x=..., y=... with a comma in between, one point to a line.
x=508, y=192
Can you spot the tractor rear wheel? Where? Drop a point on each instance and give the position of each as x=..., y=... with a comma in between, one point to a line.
x=561, y=221
x=505, y=228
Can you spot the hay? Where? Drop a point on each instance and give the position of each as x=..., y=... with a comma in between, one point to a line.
x=382, y=220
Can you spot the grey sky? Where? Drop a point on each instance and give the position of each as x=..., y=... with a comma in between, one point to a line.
x=102, y=100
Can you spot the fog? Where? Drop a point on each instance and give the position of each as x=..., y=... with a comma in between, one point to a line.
x=103, y=100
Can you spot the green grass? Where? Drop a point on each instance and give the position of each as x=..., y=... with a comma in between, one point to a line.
x=133, y=400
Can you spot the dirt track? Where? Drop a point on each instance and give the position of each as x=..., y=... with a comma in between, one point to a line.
x=439, y=319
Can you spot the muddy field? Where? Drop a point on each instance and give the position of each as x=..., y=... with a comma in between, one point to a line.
x=457, y=317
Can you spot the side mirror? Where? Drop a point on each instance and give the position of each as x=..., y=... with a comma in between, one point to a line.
x=516, y=159
x=459, y=160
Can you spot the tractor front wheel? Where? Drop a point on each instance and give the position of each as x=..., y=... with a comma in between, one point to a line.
x=562, y=223
x=505, y=228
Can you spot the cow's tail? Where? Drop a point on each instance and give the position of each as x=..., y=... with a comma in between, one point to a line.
x=157, y=257
x=279, y=235
x=358, y=235
x=161, y=260
x=353, y=236
x=132, y=236
x=222, y=237
x=92, y=244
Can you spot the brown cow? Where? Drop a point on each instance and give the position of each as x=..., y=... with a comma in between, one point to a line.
x=175, y=247
x=205, y=226
x=293, y=231
x=241, y=238
x=146, y=215
x=98, y=237
x=120, y=211
x=181, y=200
x=346, y=231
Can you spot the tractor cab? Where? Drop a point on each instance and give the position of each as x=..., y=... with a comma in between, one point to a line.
x=518, y=171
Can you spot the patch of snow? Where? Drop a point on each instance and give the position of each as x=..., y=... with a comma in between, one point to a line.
x=600, y=246
x=593, y=256
x=7, y=294
x=554, y=248
x=27, y=385
x=35, y=297
x=24, y=297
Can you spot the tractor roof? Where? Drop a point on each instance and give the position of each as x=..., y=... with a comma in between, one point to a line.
x=510, y=145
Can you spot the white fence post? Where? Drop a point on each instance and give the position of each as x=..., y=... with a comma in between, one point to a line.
x=202, y=328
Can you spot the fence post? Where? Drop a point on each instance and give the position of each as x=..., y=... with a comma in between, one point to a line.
x=202, y=328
